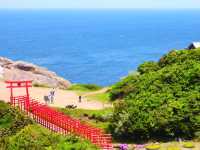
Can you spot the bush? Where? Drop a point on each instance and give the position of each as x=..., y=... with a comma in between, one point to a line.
x=35, y=137
x=124, y=87
x=153, y=147
x=11, y=120
x=197, y=135
x=148, y=67
x=188, y=145
x=18, y=132
x=161, y=102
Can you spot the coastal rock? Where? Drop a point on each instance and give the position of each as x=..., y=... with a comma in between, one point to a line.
x=20, y=70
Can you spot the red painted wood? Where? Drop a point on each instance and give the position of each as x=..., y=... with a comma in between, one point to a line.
x=57, y=121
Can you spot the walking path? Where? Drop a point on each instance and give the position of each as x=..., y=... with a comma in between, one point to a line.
x=62, y=97
x=103, y=90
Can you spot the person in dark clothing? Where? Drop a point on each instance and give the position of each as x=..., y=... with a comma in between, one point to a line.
x=52, y=95
x=80, y=99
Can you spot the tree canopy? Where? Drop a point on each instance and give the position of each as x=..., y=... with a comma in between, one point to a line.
x=161, y=100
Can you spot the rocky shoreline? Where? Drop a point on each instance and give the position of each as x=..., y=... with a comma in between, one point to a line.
x=20, y=70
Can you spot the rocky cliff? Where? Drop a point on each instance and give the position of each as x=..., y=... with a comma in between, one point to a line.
x=19, y=70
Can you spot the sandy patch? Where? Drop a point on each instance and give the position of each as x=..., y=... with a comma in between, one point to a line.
x=62, y=97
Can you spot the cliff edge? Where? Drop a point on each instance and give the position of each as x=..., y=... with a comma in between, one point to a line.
x=20, y=70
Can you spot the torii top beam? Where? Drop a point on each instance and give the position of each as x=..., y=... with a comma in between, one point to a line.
x=19, y=84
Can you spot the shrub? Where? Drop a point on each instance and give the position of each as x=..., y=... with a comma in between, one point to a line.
x=124, y=87
x=197, y=135
x=148, y=67
x=18, y=132
x=161, y=102
x=34, y=137
x=188, y=145
x=11, y=120
x=153, y=147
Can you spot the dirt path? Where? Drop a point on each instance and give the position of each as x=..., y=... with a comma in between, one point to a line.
x=96, y=92
x=62, y=97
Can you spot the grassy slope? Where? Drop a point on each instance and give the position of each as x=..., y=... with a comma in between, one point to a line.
x=84, y=88
x=19, y=132
x=98, y=118
x=102, y=97
x=5, y=119
x=11, y=120
x=36, y=137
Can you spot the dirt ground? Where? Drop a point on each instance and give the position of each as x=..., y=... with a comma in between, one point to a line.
x=62, y=97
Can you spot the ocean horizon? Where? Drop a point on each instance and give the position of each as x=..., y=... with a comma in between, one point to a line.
x=95, y=46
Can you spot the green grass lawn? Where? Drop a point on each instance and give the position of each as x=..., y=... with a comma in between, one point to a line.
x=97, y=118
x=84, y=88
x=102, y=97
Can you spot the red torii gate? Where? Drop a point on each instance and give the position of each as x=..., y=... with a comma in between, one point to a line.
x=55, y=120
x=19, y=84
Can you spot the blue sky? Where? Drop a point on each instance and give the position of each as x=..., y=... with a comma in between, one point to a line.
x=99, y=3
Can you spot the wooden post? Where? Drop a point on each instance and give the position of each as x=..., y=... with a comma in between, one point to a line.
x=11, y=94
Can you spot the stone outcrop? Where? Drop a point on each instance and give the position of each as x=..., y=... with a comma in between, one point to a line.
x=20, y=70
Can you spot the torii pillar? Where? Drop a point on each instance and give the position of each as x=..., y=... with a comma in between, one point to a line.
x=19, y=84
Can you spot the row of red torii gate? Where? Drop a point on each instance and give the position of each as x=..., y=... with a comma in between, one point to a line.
x=54, y=120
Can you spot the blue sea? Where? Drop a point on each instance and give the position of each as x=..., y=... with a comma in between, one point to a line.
x=95, y=46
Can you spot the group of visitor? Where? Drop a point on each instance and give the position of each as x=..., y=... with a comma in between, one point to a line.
x=51, y=97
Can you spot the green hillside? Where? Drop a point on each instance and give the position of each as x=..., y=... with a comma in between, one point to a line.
x=161, y=100
x=18, y=132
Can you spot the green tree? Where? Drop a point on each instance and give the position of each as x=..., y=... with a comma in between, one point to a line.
x=163, y=101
